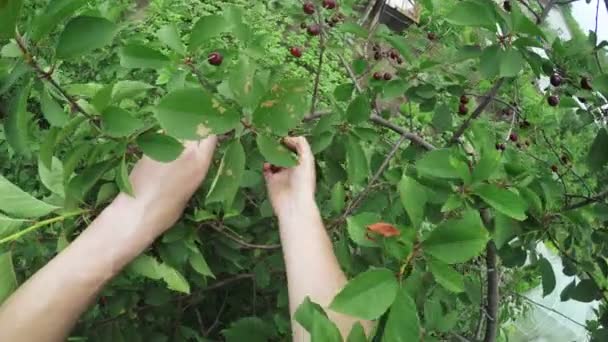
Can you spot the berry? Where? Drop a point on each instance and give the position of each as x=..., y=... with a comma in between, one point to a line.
x=335, y=19
x=586, y=84
x=565, y=159
x=501, y=146
x=399, y=60
x=296, y=52
x=215, y=58
x=463, y=109
x=303, y=25
x=553, y=100
x=556, y=80
x=513, y=137
x=378, y=75
x=554, y=168
x=507, y=6
x=378, y=56
x=388, y=76
x=314, y=30
x=518, y=145
x=394, y=54
x=308, y=8
x=464, y=99
x=431, y=36
x=329, y=4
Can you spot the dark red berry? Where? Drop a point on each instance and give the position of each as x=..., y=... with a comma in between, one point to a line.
x=329, y=4
x=500, y=146
x=553, y=100
x=513, y=137
x=378, y=55
x=507, y=6
x=431, y=36
x=463, y=109
x=586, y=84
x=388, y=76
x=378, y=76
x=215, y=58
x=314, y=30
x=308, y=8
x=464, y=99
x=565, y=159
x=554, y=168
x=296, y=52
x=394, y=54
x=556, y=80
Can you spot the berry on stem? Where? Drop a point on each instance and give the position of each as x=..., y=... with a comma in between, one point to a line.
x=431, y=36
x=553, y=100
x=507, y=6
x=215, y=58
x=314, y=30
x=463, y=109
x=556, y=80
x=513, y=137
x=500, y=146
x=329, y=4
x=394, y=54
x=464, y=99
x=554, y=168
x=296, y=51
x=308, y=8
x=378, y=75
x=388, y=76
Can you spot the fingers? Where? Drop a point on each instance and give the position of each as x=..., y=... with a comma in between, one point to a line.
x=301, y=147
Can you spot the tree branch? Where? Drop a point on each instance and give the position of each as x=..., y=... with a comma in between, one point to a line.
x=493, y=296
x=240, y=241
x=526, y=5
x=315, y=93
x=597, y=198
x=546, y=11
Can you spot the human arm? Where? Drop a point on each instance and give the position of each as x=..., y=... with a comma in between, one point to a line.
x=48, y=305
x=312, y=267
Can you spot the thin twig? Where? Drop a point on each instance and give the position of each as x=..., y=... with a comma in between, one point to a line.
x=548, y=309
x=315, y=92
x=597, y=198
x=597, y=52
x=217, y=317
x=526, y=5
x=240, y=241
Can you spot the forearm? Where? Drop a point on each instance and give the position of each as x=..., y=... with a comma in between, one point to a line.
x=55, y=296
x=312, y=267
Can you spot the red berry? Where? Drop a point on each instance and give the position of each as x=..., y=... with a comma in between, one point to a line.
x=500, y=146
x=554, y=168
x=388, y=76
x=464, y=99
x=296, y=52
x=378, y=76
x=556, y=80
x=215, y=58
x=586, y=84
x=463, y=109
x=553, y=100
x=394, y=54
x=378, y=56
x=314, y=30
x=507, y=6
x=431, y=36
x=308, y=8
x=513, y=137
x=329, y=4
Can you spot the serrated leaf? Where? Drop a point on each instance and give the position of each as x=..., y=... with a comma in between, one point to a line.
x=160, y=147
x=344, y=92
x=358, y=110
x=205, y=28
x=457, y=240
x=84, y=34
x=45, y=156
x=54, y=14
x=128, y=89
x=487, y=165
x=9, y=13
x=503, y=200
x=122, y=178
x=505, y=228
x=52, y=177
x=145, y=266
x=52, y=111
x=403, y=324
x=471, y=13
x=283, y=107
x=274, y=152
x=413, y=198
x=136, y=56
x=548, y=277
x=228, y=177
x=357, y=228
x=446, y=276
x=490, y=61
x=17, y=202
x=8, y=279
x=442, y=120
x=511, y=62
x=338, y=197
x=173, y=278
x=118, y=122
x=438, y=164
x=368, y=295
x=16, y=123
x=356, y=162
x=169, y=35
x=199, y=264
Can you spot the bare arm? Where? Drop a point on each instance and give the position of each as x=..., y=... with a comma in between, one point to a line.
x=312, y=267
x=48, y=305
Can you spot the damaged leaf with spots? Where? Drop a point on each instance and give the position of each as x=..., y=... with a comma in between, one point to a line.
x=283, y=107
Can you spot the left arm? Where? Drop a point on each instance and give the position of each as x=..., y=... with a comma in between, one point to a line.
x=49, y=304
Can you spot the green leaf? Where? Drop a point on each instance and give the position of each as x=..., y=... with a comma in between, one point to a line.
x=598, y=154
x=600, y=83
x=228, y=177
x=323, y=329
x=511, y=62
x=356, y=162
x=283, y=107
x=118, y=123
x=206, y=28
x=344, y=92
x=174, y=280
x=84, y=34
x=199, y=264
x=8, y=279
x=251, y=329
x=457, y=240
x=368, y=295
x=54, y=14
x=193, y=113
x=470, y=13
x=548, y=277
x=505, y=228
x=413, y=198
x=357, y=30
x=52, y=111
x=490, y=61
x=274, y=152
x=128, y=90
x=394, y=88
x=358, y=110
x=80, y=185
x=357, y=333
x=521, y=23
x=122, y=179
x=357, y=228
x=52, y=177
x=503, y=200
x=9, y=13
x=442, y=120
x=338, y=197
x=487, y=166
x=585, y=291
x=246, y=88
x=401, y=44
x=169, y=35
x=438, y=164
x=446, y=276
x=47, y=147
x=403, y=324
x=160, y=147
x=16, y=123
x=140, y=56
x=306, y=312
x=15, y=201
x=145, y=266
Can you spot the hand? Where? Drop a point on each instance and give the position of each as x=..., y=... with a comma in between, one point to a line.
x=290, y=188
x=162, y=190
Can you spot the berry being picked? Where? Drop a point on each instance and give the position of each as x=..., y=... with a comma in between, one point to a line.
x=507, y=6
x=556, y=80
x=378, y=76
x=586, y=84
x=329, y=4
x=463, y=109
x=513, y=137
x=314, y=30
x=296, y=52
x=464, y=99
x=215, y=58
x=553, y=100
x=308, y=8
x=388, y=76
x=431, y=36
x=554, y=168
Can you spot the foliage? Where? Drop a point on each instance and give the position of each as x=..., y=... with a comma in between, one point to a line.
x=87, y=86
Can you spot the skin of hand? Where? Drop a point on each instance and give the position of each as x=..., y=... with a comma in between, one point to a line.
x=312, y=267
x=53, y=299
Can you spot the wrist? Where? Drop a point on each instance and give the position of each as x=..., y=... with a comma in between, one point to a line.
x=294, y=209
